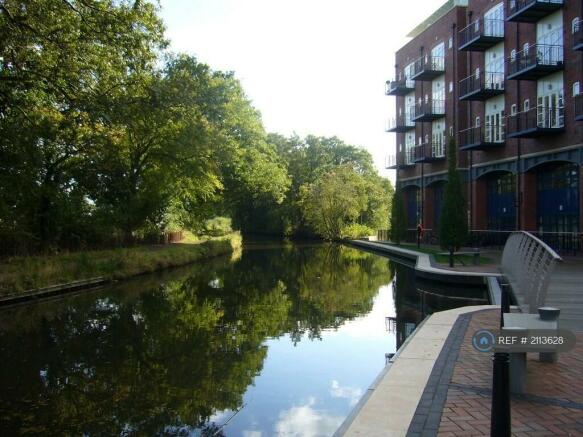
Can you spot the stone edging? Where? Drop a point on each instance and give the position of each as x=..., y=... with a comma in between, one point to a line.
x=53, y=290
x=402, y=395
x=430, y=408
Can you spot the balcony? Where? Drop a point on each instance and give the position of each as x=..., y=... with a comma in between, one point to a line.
x=399, y=87
x=482, y=87
x=431, y=152
x=400, y=124
x=429, y=111
x=536, y=122
x=482, y=138
x=400, y=161
x=428, y=67
x=578, y=35
x=530, y=11
x=537, y=61
x=481, y=35
x=578, y=107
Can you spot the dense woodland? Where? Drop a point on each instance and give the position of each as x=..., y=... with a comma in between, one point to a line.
x=107, y=138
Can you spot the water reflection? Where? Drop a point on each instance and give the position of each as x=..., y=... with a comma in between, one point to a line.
x=164, y=356
x=416, y=298
x=281, y=341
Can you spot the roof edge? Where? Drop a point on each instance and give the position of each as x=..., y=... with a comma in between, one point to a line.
x=440, y=12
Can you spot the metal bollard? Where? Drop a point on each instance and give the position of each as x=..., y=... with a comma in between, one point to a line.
x=500, y=425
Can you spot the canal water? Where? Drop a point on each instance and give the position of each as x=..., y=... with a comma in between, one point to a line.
x=282, y=339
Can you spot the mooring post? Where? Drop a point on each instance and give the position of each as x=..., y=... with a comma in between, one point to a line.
x=500, y=420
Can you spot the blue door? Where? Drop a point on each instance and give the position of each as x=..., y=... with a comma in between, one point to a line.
x=501, y=188
x=412, y=207
x=558, y=197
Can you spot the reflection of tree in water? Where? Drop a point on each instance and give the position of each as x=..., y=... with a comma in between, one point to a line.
x=164, y=361
x=335, y=284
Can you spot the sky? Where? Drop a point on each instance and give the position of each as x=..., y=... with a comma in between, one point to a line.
x=309, y=66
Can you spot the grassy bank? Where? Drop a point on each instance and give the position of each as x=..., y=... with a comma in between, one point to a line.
x=24, y=273
x=444, y=259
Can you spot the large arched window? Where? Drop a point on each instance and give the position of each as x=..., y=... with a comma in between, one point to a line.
x=501, y=197
x=413, y=196
x=558, y=197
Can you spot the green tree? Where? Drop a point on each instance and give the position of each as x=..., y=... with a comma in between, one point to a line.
x=334, y=201
x=398, y=220
x=453, y=225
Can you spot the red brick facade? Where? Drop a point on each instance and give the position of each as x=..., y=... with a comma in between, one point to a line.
x=555, y=137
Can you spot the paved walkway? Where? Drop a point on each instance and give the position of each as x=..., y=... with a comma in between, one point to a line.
x=458, y=403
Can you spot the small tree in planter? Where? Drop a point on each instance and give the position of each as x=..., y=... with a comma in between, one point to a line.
x=398, y=219
x=453, y=225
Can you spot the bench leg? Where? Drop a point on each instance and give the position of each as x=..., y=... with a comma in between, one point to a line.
x=517, y=372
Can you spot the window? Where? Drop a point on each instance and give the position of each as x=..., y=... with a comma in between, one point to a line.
x=526, y=105
x=576, y=89
x=513, y=55
x=477, y=122
x=450, y=86
x=575, y=25
x=478, y=73
x=525, y=48
x=513, y=109
x=450, y=42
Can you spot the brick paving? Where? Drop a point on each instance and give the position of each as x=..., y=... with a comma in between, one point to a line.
x=551, y=406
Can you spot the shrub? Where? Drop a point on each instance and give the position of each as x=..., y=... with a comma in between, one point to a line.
x=218, y=226
x=356, y=230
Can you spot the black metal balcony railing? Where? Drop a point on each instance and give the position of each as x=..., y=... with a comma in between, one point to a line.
x=401, y=123
x=535, y=62
x=429, y=111
x=481, y=34
x=428, y=67
x=482, y=138
x=536, y=122
x=578, y=35
x=399, y=87
x=400, y=160
x=529, y=11
x=482, y=86
x=578, y=107
x=432, y=151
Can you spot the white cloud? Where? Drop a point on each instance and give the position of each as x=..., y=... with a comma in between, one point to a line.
x=306, y=421
x=252, y=434
x=353, y=394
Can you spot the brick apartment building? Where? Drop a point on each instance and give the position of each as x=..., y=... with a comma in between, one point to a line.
x=504, y=78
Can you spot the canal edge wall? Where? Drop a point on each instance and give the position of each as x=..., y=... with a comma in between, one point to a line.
x=390, y=404
x=424, y=268
x=91, y=284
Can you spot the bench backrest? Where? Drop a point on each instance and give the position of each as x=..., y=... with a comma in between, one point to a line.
x=528, y=263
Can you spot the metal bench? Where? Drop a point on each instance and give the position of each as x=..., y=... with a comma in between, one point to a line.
x=527, y=265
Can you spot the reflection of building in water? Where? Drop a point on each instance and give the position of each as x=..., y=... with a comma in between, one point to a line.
x=408, y=311
x=416, y=298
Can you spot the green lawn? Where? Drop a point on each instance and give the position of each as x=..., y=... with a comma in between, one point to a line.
x=444, y=259
x=25, y=273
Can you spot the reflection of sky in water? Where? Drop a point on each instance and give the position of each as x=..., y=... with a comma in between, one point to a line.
x=308, y=389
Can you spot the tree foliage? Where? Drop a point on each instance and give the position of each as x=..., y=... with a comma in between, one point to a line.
x=106, y=138
x=453, y=224
x=398, y=227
